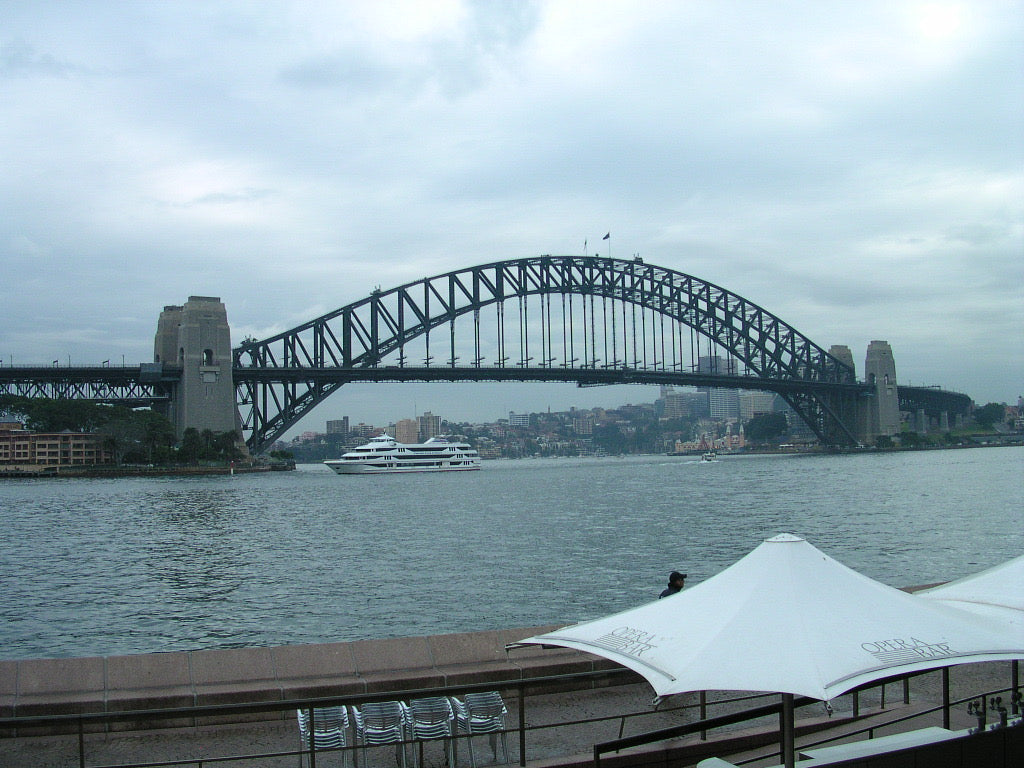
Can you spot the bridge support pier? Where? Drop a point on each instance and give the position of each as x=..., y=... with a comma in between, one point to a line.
x=880, y=413
x=921, y=422
x=196, y=338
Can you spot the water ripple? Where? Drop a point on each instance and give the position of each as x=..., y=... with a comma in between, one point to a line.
x=105, y=567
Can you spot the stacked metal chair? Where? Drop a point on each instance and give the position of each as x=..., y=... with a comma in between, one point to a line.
x=431, y=718
x=330, y=728
x=381, y=722
x=481, y=713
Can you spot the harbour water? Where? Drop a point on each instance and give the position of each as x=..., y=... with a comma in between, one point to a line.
x=96, y=567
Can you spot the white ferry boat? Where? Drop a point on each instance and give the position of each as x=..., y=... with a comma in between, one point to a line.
x=385, y=454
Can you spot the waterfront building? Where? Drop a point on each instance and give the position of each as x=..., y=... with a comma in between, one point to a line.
x=51, y=449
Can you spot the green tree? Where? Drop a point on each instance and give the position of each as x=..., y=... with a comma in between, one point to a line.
x=765, y=427
x=121, y=434
x=206, y=439
x=225, y=446
x=610, y=438
x=43, y=414
x=911, y=439
x=191, y=446
x=989, y=415
x=157, y=436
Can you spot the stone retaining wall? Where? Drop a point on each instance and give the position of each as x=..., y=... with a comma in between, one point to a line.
x=37, y=687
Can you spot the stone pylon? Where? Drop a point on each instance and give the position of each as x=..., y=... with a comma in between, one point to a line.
x=880, y=413
x=196, y=338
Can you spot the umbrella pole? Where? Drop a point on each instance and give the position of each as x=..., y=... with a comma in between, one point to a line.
x=787, y=729
x=1015, y=682
x=945, y=698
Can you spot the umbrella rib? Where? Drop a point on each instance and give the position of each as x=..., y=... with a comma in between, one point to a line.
x=604, y=651
x=948, y=661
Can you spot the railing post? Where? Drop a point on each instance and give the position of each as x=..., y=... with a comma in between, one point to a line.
x=312, y=738
x=704, y=713
x=856, y=703
x=522, y=725
x=81, y=743
x=906, y=690
x=1015, y=684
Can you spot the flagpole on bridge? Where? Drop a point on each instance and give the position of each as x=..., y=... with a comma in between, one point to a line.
x=608, y=237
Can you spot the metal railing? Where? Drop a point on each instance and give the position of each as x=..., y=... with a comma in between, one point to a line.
x=86, y=724
x=870, y=730
x=704, y=725
x=79, y=724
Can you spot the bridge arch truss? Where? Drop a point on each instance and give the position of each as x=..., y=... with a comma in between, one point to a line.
x=551, y=317
x=567, y=318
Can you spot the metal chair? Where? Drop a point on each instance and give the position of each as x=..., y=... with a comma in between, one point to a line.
x=431, y=718
x=381, y=722
x=482, y=713
x=330, y=729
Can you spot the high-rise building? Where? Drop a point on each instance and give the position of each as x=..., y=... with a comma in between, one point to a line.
x=755, y=403
x=677, y=405
x=724, y=404
x=724, y=366
x=407, y=431
x=429, y=426
x=583, y=423
x=338, y=426
x=518, y=419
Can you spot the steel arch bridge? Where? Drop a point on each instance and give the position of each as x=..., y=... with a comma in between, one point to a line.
x=589, y=320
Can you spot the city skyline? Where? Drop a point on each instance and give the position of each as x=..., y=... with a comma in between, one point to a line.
x=759, y=401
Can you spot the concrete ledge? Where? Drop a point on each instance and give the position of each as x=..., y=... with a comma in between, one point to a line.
x=37, y=687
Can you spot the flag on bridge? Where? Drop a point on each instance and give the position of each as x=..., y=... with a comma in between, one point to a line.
x=607, y=236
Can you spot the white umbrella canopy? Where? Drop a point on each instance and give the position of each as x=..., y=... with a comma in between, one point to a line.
x=787, y=618
x=997, y=592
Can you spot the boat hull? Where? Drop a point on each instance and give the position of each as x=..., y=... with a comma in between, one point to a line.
x=353, y=468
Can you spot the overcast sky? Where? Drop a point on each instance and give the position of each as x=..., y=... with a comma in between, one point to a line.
x=856, y=168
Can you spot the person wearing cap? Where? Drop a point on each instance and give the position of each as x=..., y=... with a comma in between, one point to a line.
x=675, y=584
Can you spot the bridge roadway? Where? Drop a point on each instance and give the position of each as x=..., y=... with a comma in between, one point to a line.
x=151, y=381
x=150, y=384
